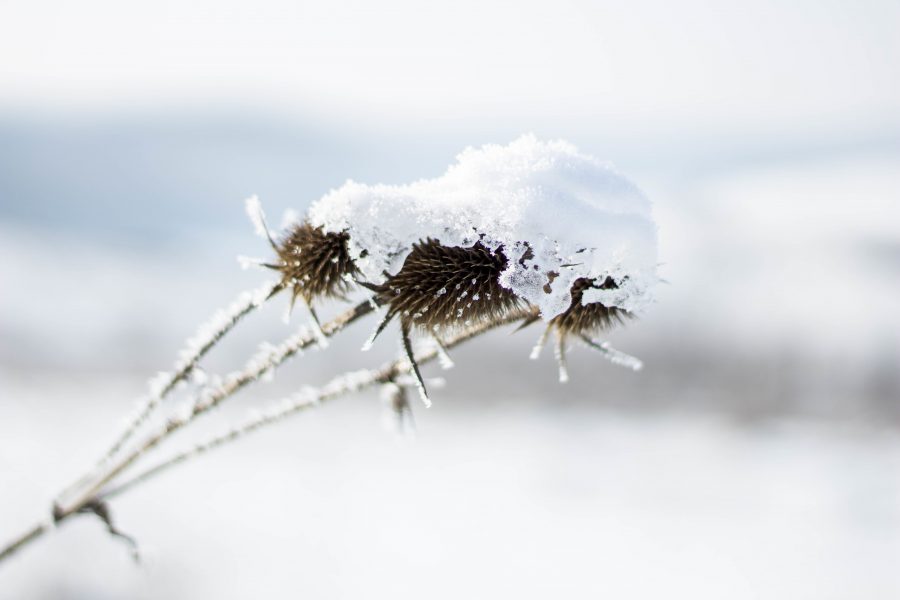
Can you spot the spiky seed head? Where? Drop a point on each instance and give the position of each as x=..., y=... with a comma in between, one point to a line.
x=442, y=287
x=315, y=264
x=590, y=318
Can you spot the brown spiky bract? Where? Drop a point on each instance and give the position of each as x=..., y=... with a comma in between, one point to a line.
x=587, y=319
x=315, y=264
x=441, y=287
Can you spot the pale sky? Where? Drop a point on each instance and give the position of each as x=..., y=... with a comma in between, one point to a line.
x=641, y=61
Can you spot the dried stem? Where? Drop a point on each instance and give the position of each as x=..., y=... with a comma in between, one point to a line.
x=617, y=357
x=343, y=385
x=197, y=349
x=232, y=384
x=340, y=386
x=198, y=346
x=252, y=371
x=24, y=539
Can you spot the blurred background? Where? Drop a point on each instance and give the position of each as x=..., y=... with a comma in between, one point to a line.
x=756, y=455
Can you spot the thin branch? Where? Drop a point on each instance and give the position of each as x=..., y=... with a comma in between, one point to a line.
x=207, y=336
x=340, y=386
x=232, y=384
x=26, y=538
x=560, y=353
x=617, y=357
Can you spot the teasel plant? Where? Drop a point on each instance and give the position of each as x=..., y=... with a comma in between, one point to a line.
x=446, y=295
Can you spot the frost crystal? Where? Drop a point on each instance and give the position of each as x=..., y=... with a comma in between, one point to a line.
x=559, y=215
x=158, y=383
x=257, y=216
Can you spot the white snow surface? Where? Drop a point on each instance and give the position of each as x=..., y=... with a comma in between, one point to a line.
x=577, y=215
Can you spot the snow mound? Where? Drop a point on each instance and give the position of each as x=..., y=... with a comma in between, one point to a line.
x=558, y=215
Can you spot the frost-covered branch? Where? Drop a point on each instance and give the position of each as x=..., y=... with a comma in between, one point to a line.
x=338, y=387
x=253, y=370
x=347, y=383
x=206, y=337
x=616, y=357
x=25, y=539
x=93, y=483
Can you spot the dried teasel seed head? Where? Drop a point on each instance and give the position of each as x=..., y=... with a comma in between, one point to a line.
x=442, y=287
x=583, y=320
x=588, y=319
x=314, y=263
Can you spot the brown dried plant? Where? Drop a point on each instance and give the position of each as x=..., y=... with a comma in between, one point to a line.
x=452, y=294
x=314, y=264
x=440, y=289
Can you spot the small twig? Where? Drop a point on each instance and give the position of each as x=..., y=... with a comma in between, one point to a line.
x=24, y=539
x=101, y=509
x=617, y=357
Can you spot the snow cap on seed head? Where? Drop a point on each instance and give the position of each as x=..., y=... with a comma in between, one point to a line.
x=559, y=215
